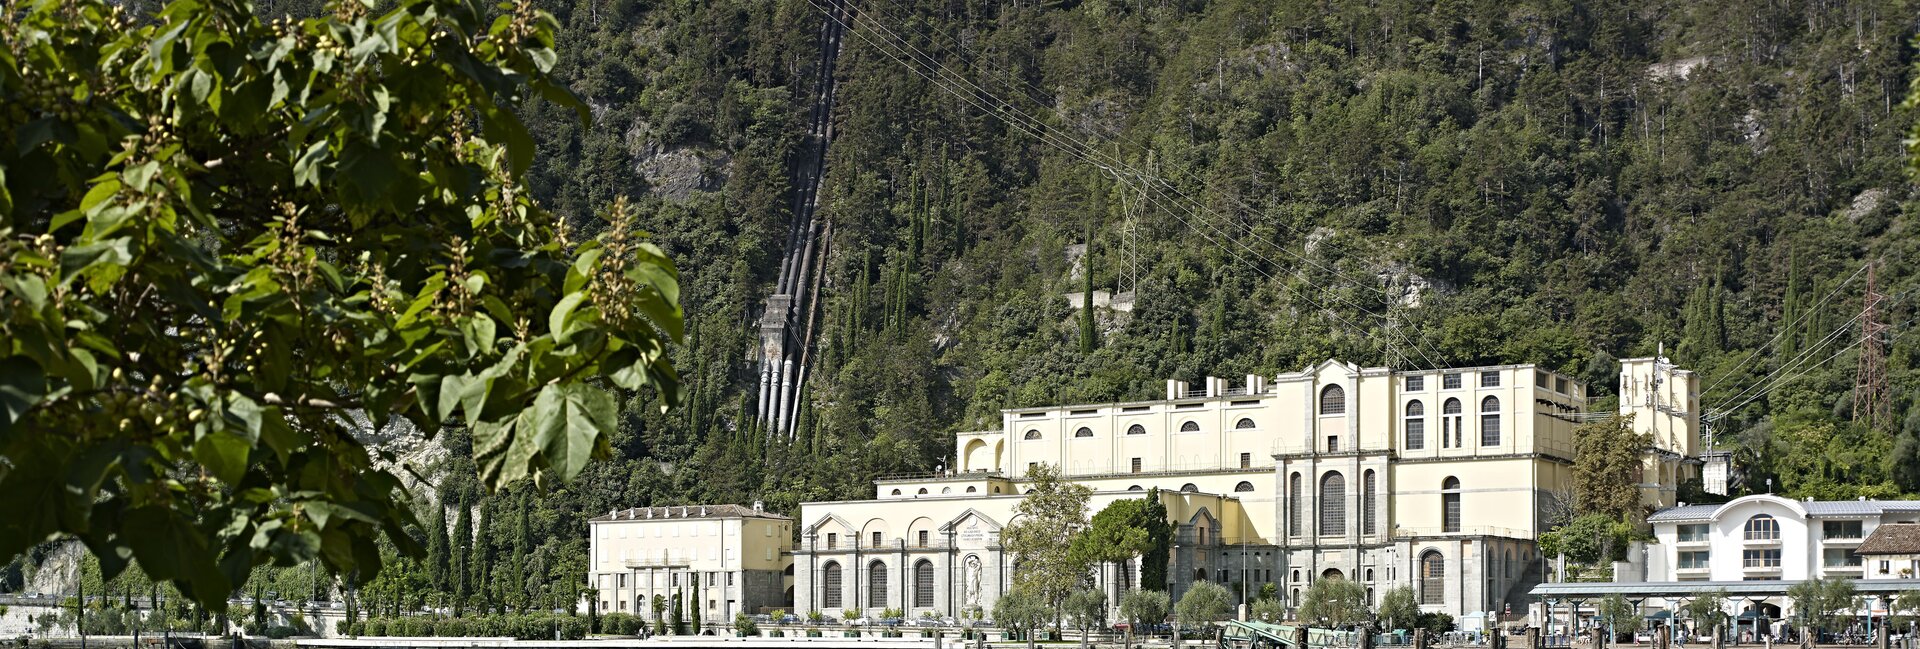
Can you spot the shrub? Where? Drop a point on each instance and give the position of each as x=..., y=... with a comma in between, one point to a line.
x=376, y=627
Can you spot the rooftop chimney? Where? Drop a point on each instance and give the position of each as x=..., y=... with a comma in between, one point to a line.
x=759, y=506
x=703, y=511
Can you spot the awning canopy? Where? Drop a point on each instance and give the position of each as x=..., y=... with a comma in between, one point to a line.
x=1689, y=589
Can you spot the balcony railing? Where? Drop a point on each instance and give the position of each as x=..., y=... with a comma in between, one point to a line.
x=1469, y=530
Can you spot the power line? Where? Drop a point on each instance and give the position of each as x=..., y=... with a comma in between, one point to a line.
x=1768, y=384
x=1783, y=331
x=985, y=100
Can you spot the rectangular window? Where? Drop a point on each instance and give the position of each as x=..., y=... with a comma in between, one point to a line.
x=620, y=580
x=1416, y=383
x=876, y=539
x=1560, y=385
x=1839, y=558
x=1761, y=558
x=1489, y=430
x=832, y=540
x=1489, y=379
x=1416, y=434
x=1693, y=560
x=1693, y=532
x=1246, y=460
x=1333, y=443
x=1841, y=529
x=1539, y=379
x=1885, y=566
x=1450, y=381
x=923, y=538
x=1136, y=465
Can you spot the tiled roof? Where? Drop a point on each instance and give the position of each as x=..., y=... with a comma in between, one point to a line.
x=1892, y=538
x=677, y=512
x=1685, y=513
x=1820, y=508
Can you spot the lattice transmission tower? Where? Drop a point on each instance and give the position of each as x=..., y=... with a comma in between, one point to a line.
x=1871, y=402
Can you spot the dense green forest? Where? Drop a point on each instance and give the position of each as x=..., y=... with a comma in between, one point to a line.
x=1389, y=183
x=1547, y=182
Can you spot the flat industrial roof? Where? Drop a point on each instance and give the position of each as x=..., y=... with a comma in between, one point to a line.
x=1771, y=587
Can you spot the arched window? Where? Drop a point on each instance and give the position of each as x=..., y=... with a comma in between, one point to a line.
x=1416, y=426
x=877, y=585
x=1083, y=432
x=972, y=490
x=1367, y=505
x=1190, y=427
x=1490, y=421
x=1199, y=574
x=1333, y=504
x=1763, y=528
x=1033, y=435
x=1243, y=424
x=1369, y=574
x=1296, y=574
x=1135, y=488
x=1293, y=505
x=1433, y=578
x=1136, y=429
x=946, y=490
x=1243, y=486
x=896, y=492
x=1450, y=504
x=1450, y=435
x=923, y=583
x=1188, y=488
x=923, y=491
x=830, y=585
x=1333, y=400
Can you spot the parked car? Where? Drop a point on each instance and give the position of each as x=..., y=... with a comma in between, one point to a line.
x=789, y=619
x=859, y=621
x=1121, y=627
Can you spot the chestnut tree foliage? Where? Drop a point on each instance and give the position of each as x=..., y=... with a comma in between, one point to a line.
x=227, y=246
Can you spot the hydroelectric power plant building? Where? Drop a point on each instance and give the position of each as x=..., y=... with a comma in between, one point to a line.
x=1441, y=480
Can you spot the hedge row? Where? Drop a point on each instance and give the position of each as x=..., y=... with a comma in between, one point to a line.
x=533, y=626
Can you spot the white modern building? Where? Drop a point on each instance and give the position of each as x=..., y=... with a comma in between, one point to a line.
x=1766, y=537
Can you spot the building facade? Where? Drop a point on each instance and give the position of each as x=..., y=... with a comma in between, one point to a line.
x=720, y=559
x=1440, y=480
x=1766, y=537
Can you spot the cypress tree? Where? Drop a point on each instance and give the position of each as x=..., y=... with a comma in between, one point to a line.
x=461, y=553
x=676, y=618
x=522, y=543
x=694, y=606
x=437, y=546
x=1790, y=311
x=481, y=563
x=1088, y=338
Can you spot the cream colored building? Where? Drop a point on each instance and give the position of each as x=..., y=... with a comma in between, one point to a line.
x=1439, y=479
x=724, y=559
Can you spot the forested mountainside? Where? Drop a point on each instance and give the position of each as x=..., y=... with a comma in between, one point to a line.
x=1413, y=184
x=1395, y=183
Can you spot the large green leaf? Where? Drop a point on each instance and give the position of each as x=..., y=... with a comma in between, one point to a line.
x=22, y=384
x=569, y=420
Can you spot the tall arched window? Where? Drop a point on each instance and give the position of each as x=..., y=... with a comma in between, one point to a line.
x=1136, y=429
x=1083, y=432
x=1450, y=504
x=1243, y=486
x=877, y=585
x=1433, y=578
x=1416, y=426
x=830, y=585
x=1490, y=421
x=1367, y=504
x=1450, y=436
x=1243, y=424
x=1293, y=505
x=1333, y=400
x=1190, y=427
x=1333, y=504
x=1032, y=435
x=923, y=583
x=1763, y=528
